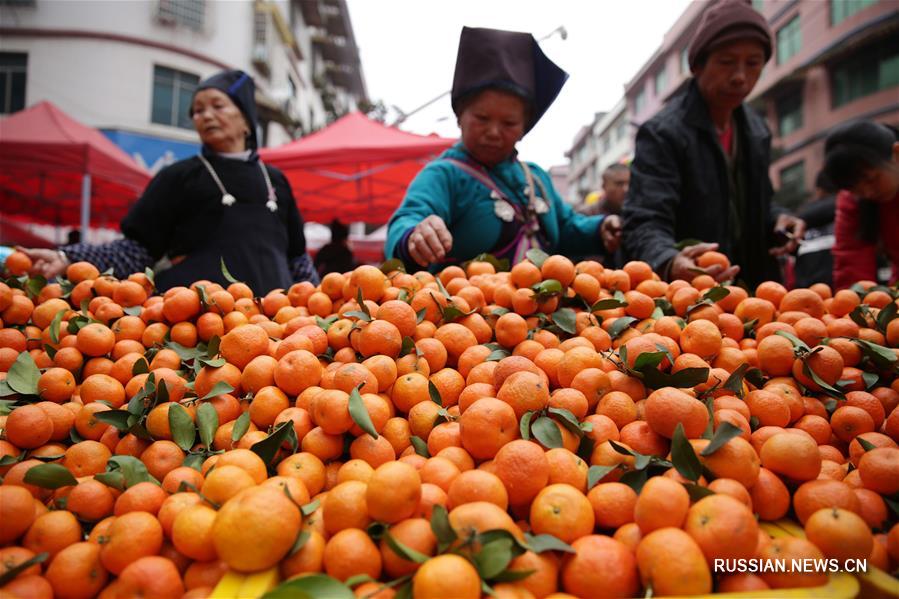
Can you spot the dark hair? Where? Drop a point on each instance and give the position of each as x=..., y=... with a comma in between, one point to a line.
x=615, y=167
x=339, y=231
x=853, y=148
x=823, y=182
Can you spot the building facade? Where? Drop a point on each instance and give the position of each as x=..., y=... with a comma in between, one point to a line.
x=582, y=163
x=607, y=140
x=130, y=68
x=834, y=61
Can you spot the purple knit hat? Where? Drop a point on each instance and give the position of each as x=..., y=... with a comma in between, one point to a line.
x=728, y=21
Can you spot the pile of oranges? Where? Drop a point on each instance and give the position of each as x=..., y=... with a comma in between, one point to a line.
x=556, y=430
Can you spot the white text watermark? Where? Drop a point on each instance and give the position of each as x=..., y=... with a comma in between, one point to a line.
x=803, y=566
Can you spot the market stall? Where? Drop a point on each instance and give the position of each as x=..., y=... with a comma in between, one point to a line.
x=57, y=171
x=355, y=170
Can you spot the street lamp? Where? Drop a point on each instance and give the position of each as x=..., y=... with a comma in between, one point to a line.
x=563, y=33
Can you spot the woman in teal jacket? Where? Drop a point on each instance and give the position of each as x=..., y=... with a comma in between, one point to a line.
x=477, y=196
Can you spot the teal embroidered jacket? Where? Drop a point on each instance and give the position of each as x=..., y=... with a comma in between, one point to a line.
x=465, y=205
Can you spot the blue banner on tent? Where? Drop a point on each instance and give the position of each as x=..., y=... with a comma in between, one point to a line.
x=153, y=153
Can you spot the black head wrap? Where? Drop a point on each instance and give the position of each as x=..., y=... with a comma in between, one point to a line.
x=241, y=88
x=505, y=60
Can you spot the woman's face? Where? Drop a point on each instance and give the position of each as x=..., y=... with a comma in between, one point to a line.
x=219, y=121
x=491, y=125
x=880, y=184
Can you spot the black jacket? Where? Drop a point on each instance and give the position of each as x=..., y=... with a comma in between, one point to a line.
x=680, y=188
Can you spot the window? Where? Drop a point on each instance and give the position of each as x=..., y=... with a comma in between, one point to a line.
x=789, y=40
x=789, y=113
x=189, y=13
x=13, y=71
x=661, y=81
x=685, y=60
x=640, y=101
x=792, y=183
x=622, y=130
x=172, y=93
x=870, y=70
x=840, y=10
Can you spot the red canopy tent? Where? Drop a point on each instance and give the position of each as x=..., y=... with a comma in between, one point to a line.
x=57, y=171
x=356, y=169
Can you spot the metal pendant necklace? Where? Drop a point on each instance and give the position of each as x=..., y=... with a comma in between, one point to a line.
x=228, y=199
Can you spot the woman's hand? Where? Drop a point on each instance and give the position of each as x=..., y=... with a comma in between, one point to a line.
x=791, y=229
x=47, y=263
x=610, y=231
x=683, y=265
x=430, y=241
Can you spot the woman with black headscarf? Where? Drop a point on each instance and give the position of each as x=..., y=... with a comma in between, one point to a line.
x=478, y=196
x=223, y=205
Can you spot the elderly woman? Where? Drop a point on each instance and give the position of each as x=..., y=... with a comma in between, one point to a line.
x=478, y=196
x=221, y=205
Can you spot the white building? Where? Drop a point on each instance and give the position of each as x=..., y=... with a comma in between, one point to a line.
x=614, y=139
x=607, y=140
x=582, y=165
x=130, y=67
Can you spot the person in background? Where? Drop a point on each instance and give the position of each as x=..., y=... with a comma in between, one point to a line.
x=615, y=182
x=335, y=256
x=700, y=169
x=862, y=159
x=814, y=261
x=478, y=196
x=221, y=205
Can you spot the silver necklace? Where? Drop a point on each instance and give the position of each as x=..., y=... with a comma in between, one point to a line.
x=228, y=199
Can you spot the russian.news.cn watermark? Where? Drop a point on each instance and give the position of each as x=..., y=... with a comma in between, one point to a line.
x=800, y=566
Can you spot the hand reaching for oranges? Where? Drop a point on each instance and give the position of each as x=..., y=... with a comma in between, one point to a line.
x=47, y=263
x=610, y=230
x=430, y=241
x=688, y=263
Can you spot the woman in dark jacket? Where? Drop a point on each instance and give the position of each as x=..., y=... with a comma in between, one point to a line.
x=700, y=169
x=221, y=205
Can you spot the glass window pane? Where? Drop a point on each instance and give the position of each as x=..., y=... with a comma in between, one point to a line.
x=172, y=94
x=789, y=40
x=162, y=104
x=4, y=92
x=17, y=92
x=13, y=59
x=868, y=71
x=163, y=75
x=661, y=81
x=840, y=10
x=889, y=72
x=184, y=119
